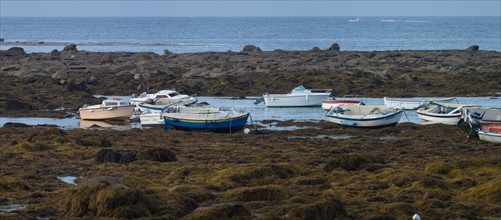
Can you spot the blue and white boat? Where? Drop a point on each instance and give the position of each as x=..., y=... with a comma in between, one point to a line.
x=205, y=119
x=364, y=116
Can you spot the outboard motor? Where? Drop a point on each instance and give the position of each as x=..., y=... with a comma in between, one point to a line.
x=337, y=109
x=150, y=101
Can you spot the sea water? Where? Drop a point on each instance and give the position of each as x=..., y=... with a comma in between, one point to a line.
x=201, y=34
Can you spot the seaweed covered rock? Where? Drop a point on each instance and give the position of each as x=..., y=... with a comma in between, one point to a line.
x=108, y=156
x=325, y=208
x=107, y=197
x=219, y=211
x=259, y=193
x=157, y=154
x=252, y=175
x=352, y=161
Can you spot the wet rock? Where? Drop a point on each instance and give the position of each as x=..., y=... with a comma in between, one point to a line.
x=335, y=47
x=92, y=80
x=71, y=47
x=127, y=157
x=78, y=84
x=157, y=154
x=55, y=55
x=251, y=48
x=15, y=125
x=351, y=162
x=106, y=59
x=260, y=193
x=60, y=74
x=18, y=105
x=315, y=49
x=107, y=197
x=473, y=48
x=15, y=51
x=33, y=77
x=167, y=52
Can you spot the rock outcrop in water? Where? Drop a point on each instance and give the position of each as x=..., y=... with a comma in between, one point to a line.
x=406, y=73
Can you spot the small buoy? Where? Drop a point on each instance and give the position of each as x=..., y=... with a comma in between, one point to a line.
x=416, y=217
x=247, y=131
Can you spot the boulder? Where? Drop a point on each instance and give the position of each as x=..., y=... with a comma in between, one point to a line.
x=92, y=80
x=15, y=52
x=17, y=105
x=473, y=48
x=157, y=154
x=71, y=47
x=78, y=84
x=251, y=48
x=167, y=52
x=60, y=74
x=33, y=77
x=335, y=47
x=106, y=59
x=55, y=55
x=315, y=49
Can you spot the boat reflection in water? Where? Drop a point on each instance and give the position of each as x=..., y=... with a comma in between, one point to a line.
x=116, y=125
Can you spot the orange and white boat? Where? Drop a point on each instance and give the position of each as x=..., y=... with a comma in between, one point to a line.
x=484, y=122
x=109, y=109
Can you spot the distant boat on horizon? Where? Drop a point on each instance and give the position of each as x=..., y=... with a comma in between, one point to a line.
x=355, y=20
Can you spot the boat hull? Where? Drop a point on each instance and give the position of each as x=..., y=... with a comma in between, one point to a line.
x=302, y=100
x=411, y=104
x=119, y=113
x=440, y=118
x=148, y=120
x=328, y=104
x=365, y=122
x=219, y=125
x=489, y=136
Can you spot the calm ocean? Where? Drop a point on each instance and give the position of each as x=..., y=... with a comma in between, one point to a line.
x=200, y=34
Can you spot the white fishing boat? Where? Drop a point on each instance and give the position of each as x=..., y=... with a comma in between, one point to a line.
x=165, y=94
x=494, y=137
x=333, y=102
x=109, y=109
x=444, y=113
x=160, y=104
x=364, y=116
x=414, y=103
x=298, y=97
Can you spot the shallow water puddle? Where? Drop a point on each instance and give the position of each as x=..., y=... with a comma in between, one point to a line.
x=68, y=179
x=11, y=208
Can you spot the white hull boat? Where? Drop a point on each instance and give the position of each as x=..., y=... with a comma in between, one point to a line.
x=151, y=118
x=165, y=94
x=364, y=116
x=298, y=97
x=109, y=109
x=441, y=112
x=413, y=104
x=489, y=136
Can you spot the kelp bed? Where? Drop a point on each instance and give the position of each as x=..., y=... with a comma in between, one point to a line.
x=388, y=173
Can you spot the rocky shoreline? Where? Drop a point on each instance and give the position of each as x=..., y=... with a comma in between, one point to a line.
x=321, y=172
x=38, y=83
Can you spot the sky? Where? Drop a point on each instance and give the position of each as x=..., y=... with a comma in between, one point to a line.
x=202, y=8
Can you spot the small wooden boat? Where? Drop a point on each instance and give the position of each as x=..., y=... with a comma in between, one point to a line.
x=444, y=113
x=109, y=109
x=298, y=97
x=332, y=103
x=205, y=119
x=364, y=116
x=413, y=104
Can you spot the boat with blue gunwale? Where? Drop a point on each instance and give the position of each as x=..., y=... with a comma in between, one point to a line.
x=205, y=119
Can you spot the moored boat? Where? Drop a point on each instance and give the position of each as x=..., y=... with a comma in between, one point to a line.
x=413, y=104
x=484, y=123
x=298, y=97
x=364, y=116
x=160, y=104
x=332, y=103
x=109, y=109
x=205, y=119
x=444, y=113
x=165, y=94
